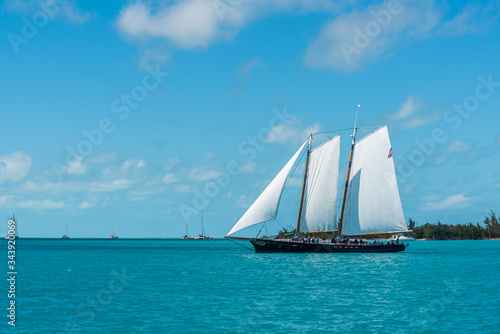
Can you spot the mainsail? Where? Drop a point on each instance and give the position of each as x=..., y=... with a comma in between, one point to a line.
x=373, y=204
x=322, y=187
x=265, y=206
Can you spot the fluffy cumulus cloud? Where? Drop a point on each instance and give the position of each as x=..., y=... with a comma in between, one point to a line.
x=355, y=36
x=290, y=132
x=188, y=24
x=77, y=167
x=413, y=114
x=14, y=167
x=198, y=23
x=85, y=205
x=453, y=202
x=354, y=39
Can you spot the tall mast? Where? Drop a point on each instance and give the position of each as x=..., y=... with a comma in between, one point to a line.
x=303, y=186
x=202, y=232
x=348, y=171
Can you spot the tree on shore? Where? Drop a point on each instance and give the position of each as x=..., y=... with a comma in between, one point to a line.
x=458, y=232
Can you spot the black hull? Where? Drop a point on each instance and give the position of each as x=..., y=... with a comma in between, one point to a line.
x=283, y=246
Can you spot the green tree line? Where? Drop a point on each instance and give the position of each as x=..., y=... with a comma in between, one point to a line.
x=491, y=229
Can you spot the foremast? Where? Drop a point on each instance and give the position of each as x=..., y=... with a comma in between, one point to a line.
x=297, y=231
x=348, y=171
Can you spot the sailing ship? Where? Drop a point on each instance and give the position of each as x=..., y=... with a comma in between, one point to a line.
x=66, y=236
x=16, y=234
x=202, y=235
x=186, y=237
x=113, y=234
x=370, y=205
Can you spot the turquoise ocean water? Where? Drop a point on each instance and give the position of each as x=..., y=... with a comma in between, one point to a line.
x=160, y=286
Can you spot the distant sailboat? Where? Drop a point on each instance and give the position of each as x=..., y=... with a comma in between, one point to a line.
x=16, y=233
x=202, y=236
x=371, y=202
x=185, y=237
x=113, y=234
x=66, y=236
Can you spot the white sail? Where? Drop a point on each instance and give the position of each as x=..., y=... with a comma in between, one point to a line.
x=373, y=204
x=322, y=187
x=265, y=206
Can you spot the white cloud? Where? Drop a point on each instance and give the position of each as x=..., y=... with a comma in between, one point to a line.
x=356, y=38
x=76, y=167
x=72, y=13
x=14, y=167
x=208, y=156
x=407, y=109
x=32, y=186
x=412, y=114
x=169, y=178
x=183, y=189
x=153, y=57
x=198, y=23
x=453, y=202
x=47, y=204
x=458, y=146
x=205, y=173
x=474, y=18
x=420, y=120
x=432, y=198
x=129, y=164
x=67, y=10
x=249, y=67
x=85, y=205
x=440, y=160
x=5, y=199
x=188, y=24
x=243, y=202
x=248, y=167
x=172, y=163
x=103, y=158
x=118, y=184
x=291, y=132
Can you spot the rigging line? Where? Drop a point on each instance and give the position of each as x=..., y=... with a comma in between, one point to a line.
x=241, y=245
x=324, y=132
x=297, y=163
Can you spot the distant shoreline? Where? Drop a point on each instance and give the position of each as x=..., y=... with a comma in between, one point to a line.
x=488, y=239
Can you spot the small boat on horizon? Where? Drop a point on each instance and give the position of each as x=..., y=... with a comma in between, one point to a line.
x=66, y=236
x=16, y=234
x=370, y=205
x=202, y=235
x=185, y=236
x=113, y=233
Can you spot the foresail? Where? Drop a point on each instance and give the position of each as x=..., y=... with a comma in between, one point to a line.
x=322, y=187
x=373, y=204
x=265, y=206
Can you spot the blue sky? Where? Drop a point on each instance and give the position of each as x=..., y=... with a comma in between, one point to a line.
x=147, y=113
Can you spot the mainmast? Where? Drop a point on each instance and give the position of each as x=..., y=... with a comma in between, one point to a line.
x=348, y=171
x=202, y=232
x=303, y=187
